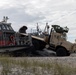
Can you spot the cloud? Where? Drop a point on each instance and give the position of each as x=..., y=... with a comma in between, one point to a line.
x=29, y=12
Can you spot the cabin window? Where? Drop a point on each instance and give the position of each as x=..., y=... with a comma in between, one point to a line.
x=63, y=37
x=10, y=27
x=7, y=27
x=3, y=27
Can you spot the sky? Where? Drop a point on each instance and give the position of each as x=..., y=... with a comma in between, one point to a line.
x=30, y=12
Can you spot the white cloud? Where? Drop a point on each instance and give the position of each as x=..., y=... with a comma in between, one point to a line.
x=28, y=12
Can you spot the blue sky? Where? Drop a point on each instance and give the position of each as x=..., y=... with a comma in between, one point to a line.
x=29, y=12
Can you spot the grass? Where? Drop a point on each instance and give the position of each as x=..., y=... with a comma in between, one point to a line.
x=9, y=66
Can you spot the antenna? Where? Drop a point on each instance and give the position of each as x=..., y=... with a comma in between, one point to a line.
x=46, y=30
x=37, y=28
x=5, y=18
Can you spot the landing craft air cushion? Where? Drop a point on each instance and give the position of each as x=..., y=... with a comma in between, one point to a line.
x=11, y=41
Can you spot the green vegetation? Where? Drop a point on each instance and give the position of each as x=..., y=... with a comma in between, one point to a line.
x=14, y=66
